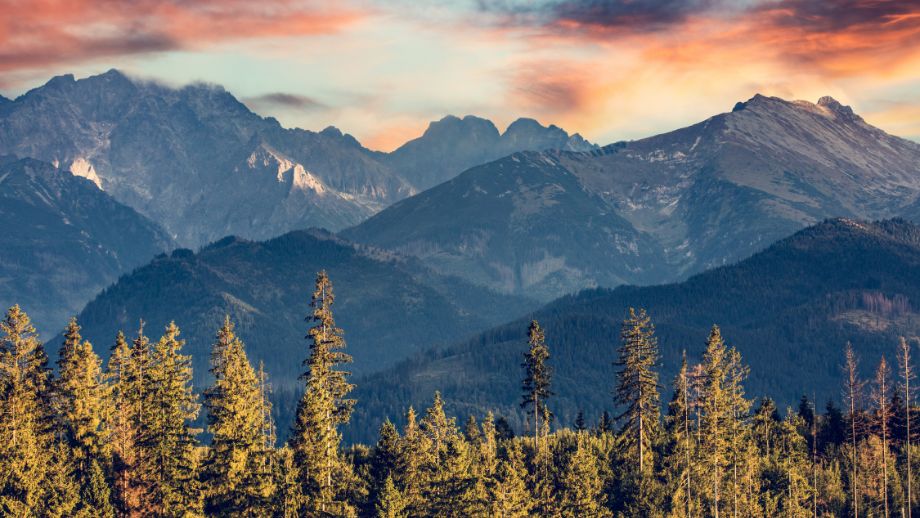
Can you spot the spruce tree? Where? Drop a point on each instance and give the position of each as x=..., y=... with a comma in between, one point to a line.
x=881, y=394
x=716, y=409
x=323, y=408
x=391, y=503
x=236, y=480
x=637, y=388
x=26, y=414
x=165, y=438
x=123, y=424
x=906, y=376
x=413, y=457
x=508, y=495
x=580, y=484
x=537, y=376
x=82, y=402
x=680, y=444
x=853, y=394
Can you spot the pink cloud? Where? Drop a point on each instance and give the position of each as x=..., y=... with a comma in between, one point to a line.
x=38, y=33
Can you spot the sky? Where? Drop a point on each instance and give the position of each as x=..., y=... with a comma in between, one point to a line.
x=383, y=69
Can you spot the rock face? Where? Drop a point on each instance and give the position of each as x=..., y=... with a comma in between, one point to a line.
x=64, y=240
x=683, y=201
x=452, y=145
x=388, y=306
x=201, y=164
x=788, y=309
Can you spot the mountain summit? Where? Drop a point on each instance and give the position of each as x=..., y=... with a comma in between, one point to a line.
x=452, y=145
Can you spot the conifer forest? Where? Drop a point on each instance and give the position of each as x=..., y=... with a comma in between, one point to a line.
x=91, y=438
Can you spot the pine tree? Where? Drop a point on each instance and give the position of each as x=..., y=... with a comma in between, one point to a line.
x=96, y=494
x=25, y=416
x=488, y=447
x=508, y=495
x=391, y=503
x=796, y=497
x=716, y=409
x=237, y=482
x=637, y=388
x=906, y=375
x=413, y=456
x=322, y=409
x=853, y=395
x=881, y=396
x=166, y=441
x=605, y=423
x=680, y=444
x=385, y=460
x=580, y=485
x=536, y=379
x=83, y=404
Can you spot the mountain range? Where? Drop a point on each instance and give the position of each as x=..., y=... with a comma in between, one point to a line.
x=657, y=209
x=198, y=162
x=64, y=240
x=789, y=310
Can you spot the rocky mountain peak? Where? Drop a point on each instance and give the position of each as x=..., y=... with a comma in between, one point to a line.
x=469, y=126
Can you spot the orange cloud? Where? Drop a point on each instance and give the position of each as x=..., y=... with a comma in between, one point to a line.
x=36, y=33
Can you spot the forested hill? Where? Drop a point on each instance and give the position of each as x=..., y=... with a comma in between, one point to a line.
x=390, y=308
x=789, y=310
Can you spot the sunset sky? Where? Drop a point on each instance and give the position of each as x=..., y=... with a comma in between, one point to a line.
x=381, y=70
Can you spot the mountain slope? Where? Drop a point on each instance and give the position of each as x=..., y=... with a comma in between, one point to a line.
x=452, y=145
x=64, y=240
x=389, y=308
x=789, y=310
x=690, y=199
x=523, y=224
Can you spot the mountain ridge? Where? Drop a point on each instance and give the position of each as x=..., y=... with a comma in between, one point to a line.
x=794, y=304
x=697, y=197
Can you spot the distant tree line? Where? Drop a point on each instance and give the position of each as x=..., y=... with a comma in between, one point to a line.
x=117, y=439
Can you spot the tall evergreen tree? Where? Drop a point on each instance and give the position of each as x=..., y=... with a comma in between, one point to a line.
x=680, y=444
x=637, y=388
x=324, y=406
x=508, y=495
x=166, y=440
x=83, y=406
x=391, y=503
x=906, y=376
x=881, y=395
x=853, y=394
x=537, y=377
x=237, y=482
x=580, y=484
x=81, y=396
x=26, y=437
x=122, y=432
x=716, y=407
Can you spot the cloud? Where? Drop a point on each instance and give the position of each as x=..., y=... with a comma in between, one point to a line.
x=548, y=88
x=284, y=100
x=607, y=17
x=41, y=33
